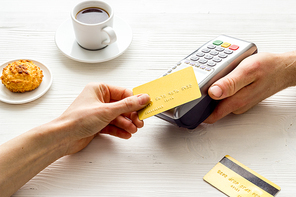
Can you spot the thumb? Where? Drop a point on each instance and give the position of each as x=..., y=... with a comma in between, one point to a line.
x=222, y=88
x=229, y=85
x=130, y=104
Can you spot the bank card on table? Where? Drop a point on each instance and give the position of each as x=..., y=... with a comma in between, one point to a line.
x=237, y=180
x=168, y=92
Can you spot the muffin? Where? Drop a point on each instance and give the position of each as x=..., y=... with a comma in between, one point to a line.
x=21, y=76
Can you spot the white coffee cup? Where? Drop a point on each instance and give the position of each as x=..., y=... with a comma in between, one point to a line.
x=93, y=36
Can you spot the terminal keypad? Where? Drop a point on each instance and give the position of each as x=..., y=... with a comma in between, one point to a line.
x=208, y=56
x=212, y=54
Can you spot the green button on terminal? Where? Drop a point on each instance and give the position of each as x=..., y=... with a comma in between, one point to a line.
x=217, y=42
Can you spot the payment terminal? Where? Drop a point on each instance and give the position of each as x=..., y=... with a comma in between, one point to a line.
x=211, y=61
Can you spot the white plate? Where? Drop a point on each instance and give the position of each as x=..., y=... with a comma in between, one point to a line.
x=66, y=42
x=19, y=98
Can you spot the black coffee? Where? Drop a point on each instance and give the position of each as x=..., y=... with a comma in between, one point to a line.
x=92, y=15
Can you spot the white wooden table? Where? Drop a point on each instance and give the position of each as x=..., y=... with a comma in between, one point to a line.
x=161, y=159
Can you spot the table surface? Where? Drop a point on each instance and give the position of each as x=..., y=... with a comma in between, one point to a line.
x=161, y=159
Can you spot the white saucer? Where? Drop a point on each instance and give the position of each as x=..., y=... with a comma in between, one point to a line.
x=66, y=42
x=20, y=98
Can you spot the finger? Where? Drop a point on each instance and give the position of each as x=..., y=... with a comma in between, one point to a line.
x=129, y=104
x=124, y=124
x=135, y=119
x=251, y=96
x=106, y=93
x=232, y=83
x=118, y=93
x=133, y=116
x=241, y=102
x=221, y=110
x=115, y=131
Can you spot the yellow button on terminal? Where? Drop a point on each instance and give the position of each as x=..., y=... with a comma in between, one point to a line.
x=225, y=44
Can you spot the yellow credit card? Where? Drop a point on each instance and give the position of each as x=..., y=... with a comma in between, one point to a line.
x=237, y=180
x=168, y=92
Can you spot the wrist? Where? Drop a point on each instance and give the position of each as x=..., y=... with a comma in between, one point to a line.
x=66, y=135
x=57, y=132
x=288, y=65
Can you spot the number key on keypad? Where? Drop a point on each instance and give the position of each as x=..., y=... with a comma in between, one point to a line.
x=194, y=58
x=205, y=50
x=222, y=55
x=211, y=46
x=214, y=52
x=217, y=59
x=203, y=61
x=220, y=49
x=228, y=51
x=211, y=63
x=208, y=56
x=199, y=54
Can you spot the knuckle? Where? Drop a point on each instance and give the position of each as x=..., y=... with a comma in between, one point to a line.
x=95, y=85
x=91, y=85
x=231, y=85
x=254, y=70
x=129, y=103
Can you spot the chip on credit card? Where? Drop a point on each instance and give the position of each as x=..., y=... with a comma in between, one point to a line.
x=168, y=92
x=237, y=180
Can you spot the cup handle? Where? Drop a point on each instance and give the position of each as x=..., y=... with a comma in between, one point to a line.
x=111, y=34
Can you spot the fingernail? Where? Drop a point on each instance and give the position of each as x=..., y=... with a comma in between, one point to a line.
x=216, y=91
x=143, y=99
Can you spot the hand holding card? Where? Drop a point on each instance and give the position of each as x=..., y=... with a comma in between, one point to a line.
x=168, y=92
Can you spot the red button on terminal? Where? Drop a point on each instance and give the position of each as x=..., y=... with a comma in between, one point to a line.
x=233, y=47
